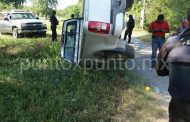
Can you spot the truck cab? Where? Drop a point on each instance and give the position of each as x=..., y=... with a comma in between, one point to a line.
x=96, y=34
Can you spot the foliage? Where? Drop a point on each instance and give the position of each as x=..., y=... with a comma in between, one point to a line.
x=73, y=9
x=34, y=86
x=2, y=6
x=66, y=13
x=15, y=3
x=41, y=6
x=174, y=11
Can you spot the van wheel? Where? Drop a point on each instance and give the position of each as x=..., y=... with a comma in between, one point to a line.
x=15, y=33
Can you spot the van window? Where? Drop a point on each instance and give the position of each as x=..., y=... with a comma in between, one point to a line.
x=70, y=40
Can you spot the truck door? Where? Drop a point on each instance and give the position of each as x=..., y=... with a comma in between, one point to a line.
x=71, y=40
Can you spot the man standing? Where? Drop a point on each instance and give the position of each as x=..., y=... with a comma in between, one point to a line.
x=158, y=29
x=174, y=60
x=130, y=26
x=54, y=22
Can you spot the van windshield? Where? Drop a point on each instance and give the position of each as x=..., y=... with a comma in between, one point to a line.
x=22, y=16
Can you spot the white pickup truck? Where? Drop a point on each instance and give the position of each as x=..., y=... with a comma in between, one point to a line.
x=20, y=23
x=96, y=34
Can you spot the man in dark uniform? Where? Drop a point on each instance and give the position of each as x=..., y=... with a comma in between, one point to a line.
x=174, y=60
x=54, y=22
x=130, y=26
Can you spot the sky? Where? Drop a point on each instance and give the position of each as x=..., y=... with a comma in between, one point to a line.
x=62, y=4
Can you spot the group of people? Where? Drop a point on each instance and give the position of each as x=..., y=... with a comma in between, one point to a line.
x=173, y=60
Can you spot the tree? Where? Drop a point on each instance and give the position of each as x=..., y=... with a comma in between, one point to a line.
x=73, y=9
x=15, y=3
x=43, y=7
x=174, y=11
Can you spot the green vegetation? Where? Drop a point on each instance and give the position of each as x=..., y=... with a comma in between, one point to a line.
x=35, y=87
x=40, y=7
x=14, y=3
x=174, y=11
x=73, y=9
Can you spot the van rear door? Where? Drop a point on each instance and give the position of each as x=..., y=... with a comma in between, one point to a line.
x=106, y=13
x=71, y=40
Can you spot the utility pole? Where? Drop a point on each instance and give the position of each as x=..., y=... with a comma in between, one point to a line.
x=46, y=8
x=142, y=15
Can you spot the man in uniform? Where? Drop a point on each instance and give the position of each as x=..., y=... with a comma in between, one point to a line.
x=54, y=22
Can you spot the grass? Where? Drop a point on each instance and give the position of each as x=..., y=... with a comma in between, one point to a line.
x=35, y=87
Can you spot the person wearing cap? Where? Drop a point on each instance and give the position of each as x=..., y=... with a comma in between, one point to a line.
x=158, y=28
x=174, y=60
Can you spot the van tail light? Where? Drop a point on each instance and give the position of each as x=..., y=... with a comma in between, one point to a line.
x=99, y=27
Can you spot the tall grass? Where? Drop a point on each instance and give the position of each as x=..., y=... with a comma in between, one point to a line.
x=39, y=92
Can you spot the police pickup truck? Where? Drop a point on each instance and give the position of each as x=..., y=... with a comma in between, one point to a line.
x=20, y=23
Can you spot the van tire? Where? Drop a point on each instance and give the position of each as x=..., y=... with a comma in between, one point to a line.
x=15, y=33
x=130, y=51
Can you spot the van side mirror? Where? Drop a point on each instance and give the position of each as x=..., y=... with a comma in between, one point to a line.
x=37, y=18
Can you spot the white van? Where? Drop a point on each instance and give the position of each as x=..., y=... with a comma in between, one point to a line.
x=96, y=34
